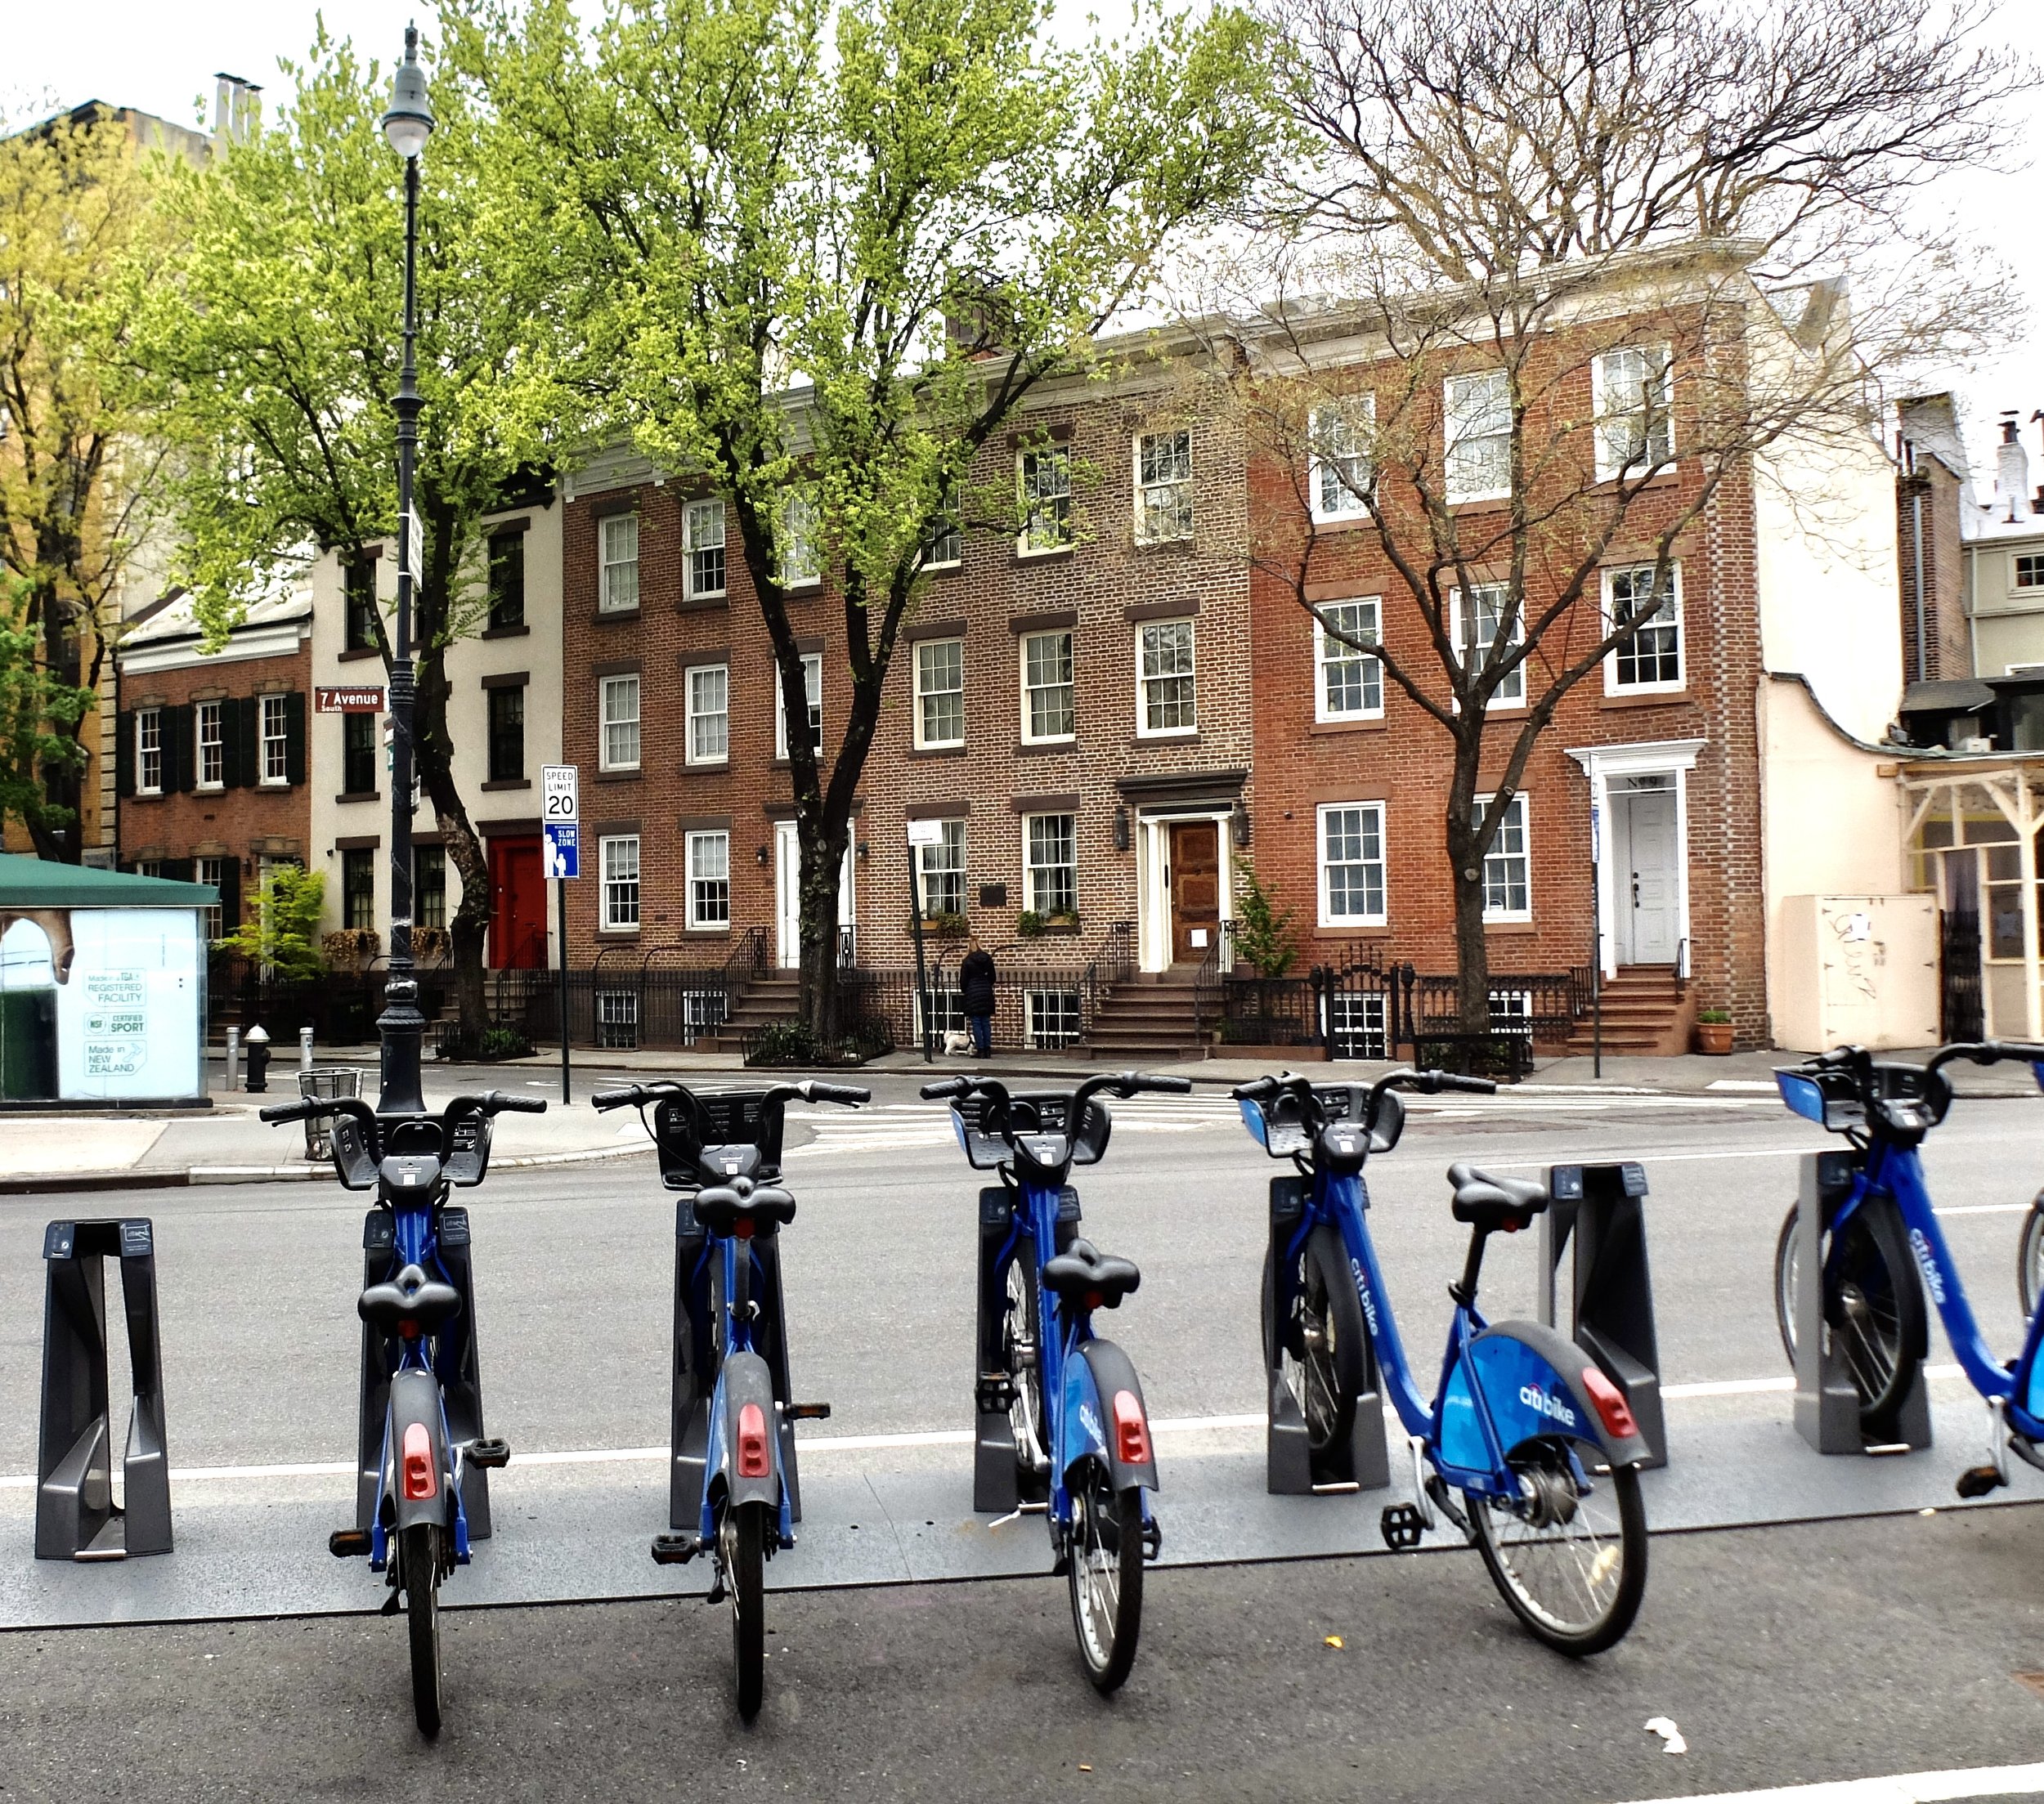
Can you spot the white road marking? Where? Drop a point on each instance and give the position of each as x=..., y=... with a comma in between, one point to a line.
x=1963, y=1782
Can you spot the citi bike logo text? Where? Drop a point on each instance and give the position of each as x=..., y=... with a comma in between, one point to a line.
x=1541, y=1404
x=1091, y=1423
x=1931, y=1275
x=1362, y=1293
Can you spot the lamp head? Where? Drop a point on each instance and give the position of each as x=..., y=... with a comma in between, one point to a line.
x=410, y=121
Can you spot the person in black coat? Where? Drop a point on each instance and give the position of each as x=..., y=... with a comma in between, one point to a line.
x=976, y=995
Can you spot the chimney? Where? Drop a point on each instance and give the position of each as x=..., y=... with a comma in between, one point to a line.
x=2011, y=472
x=237, y=107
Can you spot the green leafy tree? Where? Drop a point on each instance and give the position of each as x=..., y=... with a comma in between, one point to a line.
x=39, y=715
x=283, y=931
x=269, y=349
x=787, y=244
x=1263, y=931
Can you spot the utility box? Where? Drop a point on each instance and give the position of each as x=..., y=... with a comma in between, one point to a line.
x=1857, y=971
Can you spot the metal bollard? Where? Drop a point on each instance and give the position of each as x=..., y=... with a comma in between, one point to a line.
x=258, y=1061
x=305, y=1048
x=234, y=1059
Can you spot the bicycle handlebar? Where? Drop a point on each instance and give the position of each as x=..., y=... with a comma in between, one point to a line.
x=810, y=1090
x=491, y=1102
x=1426, y=1083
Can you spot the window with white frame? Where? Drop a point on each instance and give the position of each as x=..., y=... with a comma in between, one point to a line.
x=941, y=693
x=1164, y=487
x=1048, y=700
x=618, y=858
x=799, y=542
x=1507, y=880
x=1352, y=862
x=940, y=872
x=709, y=714
x=1512, y=1012
x=149, y=751
x=618, y=578
x=1165, y=700
x=1338, y=471
x=1475, y=615
x=276, y=740
x=947, y=1012
x=1047, y=499
x=2030, y=571
x=1352, y=681
x=947, y=547
x=1651, y=658
x=213, y=872
x=702, y=1010
x=618, y=746
x=212, y=746
x=812, y=686
x=1051, y=1018
x=1049, y=863
x=702, y=543
x=709, y=878
x=618, y=1019
x=1478, y=413
x=1631, y=389
x=1356, y=1025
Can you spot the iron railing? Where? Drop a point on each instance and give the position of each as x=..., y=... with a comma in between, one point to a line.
x=1962, y=1011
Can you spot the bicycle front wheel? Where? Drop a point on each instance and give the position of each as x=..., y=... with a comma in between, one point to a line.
x=1318, y=1348
x=1785, y=1265
x=1106, y=1571
x=2029, y=1259
x=1569, y=1557
x=418, y=1557
x=742, y=1540
x=1874, y=1310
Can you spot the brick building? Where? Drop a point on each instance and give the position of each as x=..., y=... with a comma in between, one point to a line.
x=1072, y=703
x=1670, y=745
x=211, y=749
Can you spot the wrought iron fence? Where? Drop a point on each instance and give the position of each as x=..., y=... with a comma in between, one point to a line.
x=1961, y=1011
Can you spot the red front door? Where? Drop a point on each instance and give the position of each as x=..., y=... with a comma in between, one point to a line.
x=518, y=905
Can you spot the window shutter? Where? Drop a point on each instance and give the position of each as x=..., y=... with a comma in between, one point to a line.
x=178, y=870
x=294, y=737
x=124, y=752
x=183, y=725
x=230, y=895
x=238, y=722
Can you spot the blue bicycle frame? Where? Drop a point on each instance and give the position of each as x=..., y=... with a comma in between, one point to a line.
x=738, y=1332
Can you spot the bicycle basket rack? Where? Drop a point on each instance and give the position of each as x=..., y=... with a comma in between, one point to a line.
x=1282, y=1132
x=684, y=1126
x=1036, y=1112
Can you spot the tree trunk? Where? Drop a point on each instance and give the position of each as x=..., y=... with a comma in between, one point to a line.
x=1467, y=844
x=468, y=926
x=823, y=863
x=63, y=792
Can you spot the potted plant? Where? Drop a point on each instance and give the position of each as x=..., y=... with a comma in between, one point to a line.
x=1713, y=1030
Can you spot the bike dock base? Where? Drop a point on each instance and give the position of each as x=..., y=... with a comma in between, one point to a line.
x=1827, y=1412
x=76, y=1517
x=1360, y=1461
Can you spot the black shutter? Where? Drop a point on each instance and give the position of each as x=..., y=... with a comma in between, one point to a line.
x=238, y=722
x=230, y=895
x=181, y=730
x=294, y=737
x=178, y=870
x=124, y=752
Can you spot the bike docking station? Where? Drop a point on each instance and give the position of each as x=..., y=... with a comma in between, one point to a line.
x=1602, y=1209
x=994, y=1460
x=76, y=1517
x=1828, y=1413
x=1359, y=1462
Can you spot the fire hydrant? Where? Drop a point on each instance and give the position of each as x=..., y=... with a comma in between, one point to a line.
x=258, y=1045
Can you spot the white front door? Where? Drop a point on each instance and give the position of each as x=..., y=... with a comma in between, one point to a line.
x=787, y=891
x=1648, y=889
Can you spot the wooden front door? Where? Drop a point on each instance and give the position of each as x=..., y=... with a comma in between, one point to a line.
x=518, y=905
x=1195, y=889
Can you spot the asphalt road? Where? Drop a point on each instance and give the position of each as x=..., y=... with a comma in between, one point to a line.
x=1831, y=1651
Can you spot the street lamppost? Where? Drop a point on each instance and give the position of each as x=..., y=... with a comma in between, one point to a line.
x=406, y=126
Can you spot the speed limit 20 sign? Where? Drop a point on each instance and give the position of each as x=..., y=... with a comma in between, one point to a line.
x=559, y=802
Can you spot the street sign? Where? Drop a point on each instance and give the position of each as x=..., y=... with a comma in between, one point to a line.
x=559, y=792
x=564, y=848
x=345, y=699
x=926, y=833
x=414, y=544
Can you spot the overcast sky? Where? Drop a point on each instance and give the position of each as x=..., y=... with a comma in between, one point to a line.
x=162, y=58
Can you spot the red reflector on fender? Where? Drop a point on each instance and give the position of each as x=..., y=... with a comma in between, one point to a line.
x=419, y=1480
x=1611, y=1403
x=753, y=1462
x=1131, y=1433
x=742, y=1228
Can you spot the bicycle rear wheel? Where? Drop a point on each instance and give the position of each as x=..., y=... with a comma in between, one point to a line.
x=1105, y=1572
x=1021, y=1343
x=1786, y=1264
x=1319, y=1348
x=418, y=1556
x=1569, y=1558
x=742, y=1542
x=1874, y=1309
x=2029, y=1258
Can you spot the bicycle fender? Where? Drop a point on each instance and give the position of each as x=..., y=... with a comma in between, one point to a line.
x=415, y=1400
x=1534, y=1382
x=1100, y=1373
x=745, y=1380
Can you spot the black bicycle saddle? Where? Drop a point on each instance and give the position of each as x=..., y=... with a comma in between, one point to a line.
x=723, y=1206
x=1508, y=1203
x=410, y=1296
x=1087, y=1276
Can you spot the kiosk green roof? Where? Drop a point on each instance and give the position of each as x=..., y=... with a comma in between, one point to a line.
x=38, y=883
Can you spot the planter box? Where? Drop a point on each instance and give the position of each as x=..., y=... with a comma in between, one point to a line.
x=1262, y=1053
x=1714, y=1037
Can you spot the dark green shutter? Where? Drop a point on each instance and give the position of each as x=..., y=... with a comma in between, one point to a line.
x=230, y=895
x=181, y=734
x=239, y=724
x=178, y=870
x=124, y=752
x=294, y=737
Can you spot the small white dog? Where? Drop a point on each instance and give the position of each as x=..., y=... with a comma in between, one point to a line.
x=957, y=1043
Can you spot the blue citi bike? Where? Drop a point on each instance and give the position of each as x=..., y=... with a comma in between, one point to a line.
x=1541, y=1445
x=1885, y=1231
x=1069, y=1405
x=421, y=1495
x=733, y=1493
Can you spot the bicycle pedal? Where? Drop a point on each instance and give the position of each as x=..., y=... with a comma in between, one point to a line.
x=994, y=1395
x=806, y=1413
x=1153, y=1538
x=1402, y=1526
x=676, y=1550
x=1978, y=1480
x=492, y=1454
x=349, y=1543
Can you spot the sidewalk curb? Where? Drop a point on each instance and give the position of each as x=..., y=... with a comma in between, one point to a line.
x=180, y=1177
